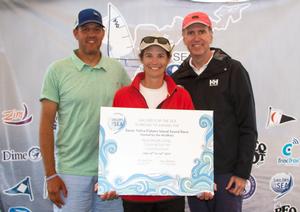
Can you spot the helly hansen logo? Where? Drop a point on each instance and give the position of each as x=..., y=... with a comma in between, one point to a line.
x=213, y=82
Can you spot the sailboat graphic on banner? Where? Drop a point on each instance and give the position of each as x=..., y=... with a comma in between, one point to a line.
x=277, y=117
x=118, y=39
x=21, y=188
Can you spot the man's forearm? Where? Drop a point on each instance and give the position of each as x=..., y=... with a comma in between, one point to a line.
x=47, y=150
x=48, y=113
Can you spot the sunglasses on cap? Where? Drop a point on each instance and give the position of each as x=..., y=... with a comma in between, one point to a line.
x=151, y=39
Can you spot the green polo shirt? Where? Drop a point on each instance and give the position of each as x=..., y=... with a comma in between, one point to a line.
x=80, y=90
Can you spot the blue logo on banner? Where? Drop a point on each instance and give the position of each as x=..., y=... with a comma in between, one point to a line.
x=287, y=152
x=281, y=184
x=172, y=68
x=18, y=209
x=21, y=188
x=117, y=122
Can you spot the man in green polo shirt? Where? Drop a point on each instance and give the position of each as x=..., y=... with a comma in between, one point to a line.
x=75, y=88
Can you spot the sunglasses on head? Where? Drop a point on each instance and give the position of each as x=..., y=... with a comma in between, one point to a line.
x=151, y=39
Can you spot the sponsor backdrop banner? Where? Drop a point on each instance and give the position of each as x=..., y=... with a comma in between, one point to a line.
x=262, y=34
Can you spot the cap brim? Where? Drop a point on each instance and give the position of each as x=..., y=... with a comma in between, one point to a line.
x=89, y=21
x=166, y=47
x=196, y=22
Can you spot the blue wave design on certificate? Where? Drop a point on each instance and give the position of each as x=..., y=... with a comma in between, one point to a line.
x=201, y=177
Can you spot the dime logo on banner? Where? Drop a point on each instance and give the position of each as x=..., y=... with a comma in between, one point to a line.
x=33, y=154
x=16, y=117
x=287, y=154
x=281, y=184
x=21, y=188
x=276, y=117
x=250, y=188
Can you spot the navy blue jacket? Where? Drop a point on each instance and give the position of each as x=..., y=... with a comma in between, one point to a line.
x=225, y=87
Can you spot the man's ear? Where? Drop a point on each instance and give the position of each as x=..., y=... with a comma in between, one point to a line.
x=211, y=36
x=183, y=37
x=103, y=35
x=75, y=32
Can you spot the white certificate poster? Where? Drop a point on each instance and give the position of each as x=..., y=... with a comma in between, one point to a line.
x=155, y=151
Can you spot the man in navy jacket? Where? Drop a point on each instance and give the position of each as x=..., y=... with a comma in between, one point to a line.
x=219, y=83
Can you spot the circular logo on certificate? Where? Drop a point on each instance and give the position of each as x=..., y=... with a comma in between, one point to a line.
x=117, y=122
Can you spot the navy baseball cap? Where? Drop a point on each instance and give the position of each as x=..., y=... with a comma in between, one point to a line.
x=88, y=16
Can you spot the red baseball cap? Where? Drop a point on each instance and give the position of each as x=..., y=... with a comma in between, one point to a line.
x=196, y=17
